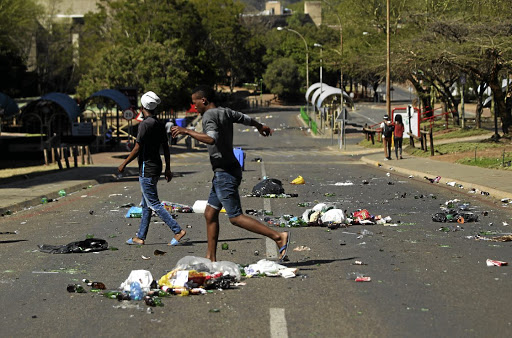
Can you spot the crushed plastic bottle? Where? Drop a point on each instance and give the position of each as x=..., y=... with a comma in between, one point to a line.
x=136, y=291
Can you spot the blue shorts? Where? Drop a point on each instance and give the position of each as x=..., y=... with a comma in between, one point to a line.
x=224, y=193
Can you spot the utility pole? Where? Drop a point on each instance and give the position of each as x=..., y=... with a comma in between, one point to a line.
x=388, y=64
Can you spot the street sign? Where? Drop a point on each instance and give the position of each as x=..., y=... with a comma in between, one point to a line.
x=340, y=116
x=128, y=114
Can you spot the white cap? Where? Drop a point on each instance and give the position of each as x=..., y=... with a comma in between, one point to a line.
x=150, y=100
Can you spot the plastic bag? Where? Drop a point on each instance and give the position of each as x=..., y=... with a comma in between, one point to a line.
x=88, y=245
x=333, y=216
x=143, y=277
x=270, y=268
x=268, y=186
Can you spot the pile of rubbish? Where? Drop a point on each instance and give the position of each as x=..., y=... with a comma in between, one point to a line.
x=454, y=211
x=324, y=215
x=191, y=276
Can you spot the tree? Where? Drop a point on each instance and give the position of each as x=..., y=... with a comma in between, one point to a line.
x=226, y=40
x=147, y=66
x=131, y=27
x=282, y=78
x=18, y=27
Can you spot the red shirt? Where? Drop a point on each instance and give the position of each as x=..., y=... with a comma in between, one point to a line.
x=399, y=130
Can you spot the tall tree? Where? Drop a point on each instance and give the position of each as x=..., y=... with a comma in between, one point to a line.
x=18, y=26
x=171, y=25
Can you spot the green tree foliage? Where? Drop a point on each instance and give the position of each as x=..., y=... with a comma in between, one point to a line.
x=147, y=66
x=227, y=42
x=282, y=78
x=131, y=26
x=17, y=29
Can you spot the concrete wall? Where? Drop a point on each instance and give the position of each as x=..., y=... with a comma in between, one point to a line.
x=314, y=9
x=274, y=7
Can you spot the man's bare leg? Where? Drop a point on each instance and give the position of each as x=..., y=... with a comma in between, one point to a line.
x=212, y=231
x=257, y=227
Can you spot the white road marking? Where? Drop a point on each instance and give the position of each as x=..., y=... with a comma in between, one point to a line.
x=278, y=328
x=270, y=245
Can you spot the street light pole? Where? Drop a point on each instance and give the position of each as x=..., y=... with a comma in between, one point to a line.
x=388, y=64
x=307, y=51
x=321, y=82
x=343, y=139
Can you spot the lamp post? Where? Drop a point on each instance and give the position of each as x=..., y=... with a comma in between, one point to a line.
x=307, y=51
x=341, y=71
x=388, y=64
x=321, y=83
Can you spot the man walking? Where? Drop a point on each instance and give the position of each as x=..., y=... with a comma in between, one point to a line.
x=150, y=137
x=218, y=136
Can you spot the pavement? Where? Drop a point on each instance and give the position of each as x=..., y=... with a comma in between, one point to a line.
x=27, y=191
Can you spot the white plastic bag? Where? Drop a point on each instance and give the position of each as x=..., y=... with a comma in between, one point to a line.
x=334, y=216
x=144, y=278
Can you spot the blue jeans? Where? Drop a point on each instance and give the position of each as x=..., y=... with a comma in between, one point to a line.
x=224, y=193
x=151, y=202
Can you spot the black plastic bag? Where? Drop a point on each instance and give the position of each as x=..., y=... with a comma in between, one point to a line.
x=88, y=245
x=268, y=186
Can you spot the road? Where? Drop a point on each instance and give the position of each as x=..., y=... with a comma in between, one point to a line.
x=424, y=282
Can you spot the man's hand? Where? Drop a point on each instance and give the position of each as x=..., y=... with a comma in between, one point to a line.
x=265, y=130
x=168, y=175
x=177, y=130
x=120, y=169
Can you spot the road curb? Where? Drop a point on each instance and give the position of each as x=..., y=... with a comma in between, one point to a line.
x=495, y=193
x=34, y=201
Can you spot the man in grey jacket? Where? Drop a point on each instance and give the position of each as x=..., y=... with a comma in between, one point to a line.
x=218, y=136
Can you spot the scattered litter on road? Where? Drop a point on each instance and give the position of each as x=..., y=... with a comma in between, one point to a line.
x=87, y=245
x=302, y=248
x=343, y=184
x=358, y=277
x=146, y=258
x=177, y=207
x=433, y=180
x=298, y=180
x=159, y=253
x=268, y=186
x=491, y=262
x=505, y=238
x=270, y=269
x=359, y=263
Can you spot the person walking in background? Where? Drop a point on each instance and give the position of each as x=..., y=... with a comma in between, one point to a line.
x=151, y=137
x=398, y=135
x=387, y=132
x=218, y=136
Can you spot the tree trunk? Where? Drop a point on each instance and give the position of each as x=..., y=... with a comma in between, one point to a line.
x=499, y=99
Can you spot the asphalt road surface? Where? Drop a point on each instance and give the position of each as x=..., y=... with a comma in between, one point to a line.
x=424, y=282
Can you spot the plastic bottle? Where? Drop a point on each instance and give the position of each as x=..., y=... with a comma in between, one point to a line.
x=136, y=291
x=62, y=193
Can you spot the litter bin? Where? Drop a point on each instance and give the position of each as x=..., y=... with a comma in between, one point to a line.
x=240, y=156
x=181, y=122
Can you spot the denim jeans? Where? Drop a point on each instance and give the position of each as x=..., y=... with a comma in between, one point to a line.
x=224, y=193
x=151, y=202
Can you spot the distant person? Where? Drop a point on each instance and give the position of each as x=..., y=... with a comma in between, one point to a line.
x=168, y=125
x=151, y=137
x=387, y=132
x=398, y=135
x=218, y=135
